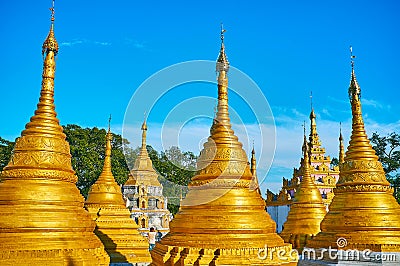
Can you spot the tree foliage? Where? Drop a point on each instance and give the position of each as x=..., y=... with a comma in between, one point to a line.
x=334, y=162
x=388, y=150
x=6, y=148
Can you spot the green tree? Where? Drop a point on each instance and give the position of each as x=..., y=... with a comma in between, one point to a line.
x=334, y=162
x=6, y=148
x=176, y=169
x=388, y=150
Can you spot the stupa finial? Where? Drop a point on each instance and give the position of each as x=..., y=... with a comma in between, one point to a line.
x=341, y=145
x=50, y=44
x=144, y=133
x=314, y=138
x=253, y=163
x=222, y=61
x=109, y=123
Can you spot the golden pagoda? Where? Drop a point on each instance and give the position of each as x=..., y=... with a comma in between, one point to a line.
x=114, y=226
x=307, y=209
x=144, y=193
x=363, y=211
x=222, y=221
x=43, y=221
x=322, y=172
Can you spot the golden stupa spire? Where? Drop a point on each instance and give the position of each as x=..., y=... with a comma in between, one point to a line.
x=253, y=169
x=314, y=138
x=97, y=193
x=341, y=147
x=143, y=172
x=114, y=225
x=222, y=220
x=307, y=210
x=43, y=220
x=363, y=210
x=106, y=174
x=253, y=163
x=143, y=150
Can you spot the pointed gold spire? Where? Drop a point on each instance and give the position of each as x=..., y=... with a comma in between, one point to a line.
x=143, y=150
x=41, y=208
x=143, y=172
x=341, y=147
x=363, y=210
x=114, y=225
x=222, y=221
x=314, y=138
x=253, y=164
x=307, y=210
x=253, y=169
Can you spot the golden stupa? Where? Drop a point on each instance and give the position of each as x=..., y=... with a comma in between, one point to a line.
x=307, y=209
x=114, y=226
x=363, y=211
x=222, y=221
x=43, y=221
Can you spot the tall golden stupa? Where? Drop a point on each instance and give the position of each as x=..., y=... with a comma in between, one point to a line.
x=222, y=221
x=307, y=209
x=363, y=211
x=43, y=221
x=114, y=226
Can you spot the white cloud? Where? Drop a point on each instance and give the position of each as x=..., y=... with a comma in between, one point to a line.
x=288, y=141
x=84, y=41
x=375, y=104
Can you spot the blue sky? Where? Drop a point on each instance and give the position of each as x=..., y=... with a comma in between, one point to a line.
x=108, y=48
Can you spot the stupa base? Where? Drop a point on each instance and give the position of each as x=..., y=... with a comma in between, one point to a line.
x=328, y=257
x=87, y=257
x=130, y=264
x=164, y=255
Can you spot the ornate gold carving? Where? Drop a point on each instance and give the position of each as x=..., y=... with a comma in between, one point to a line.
x=360, y=188
x=219, y=183
x=42, y=143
